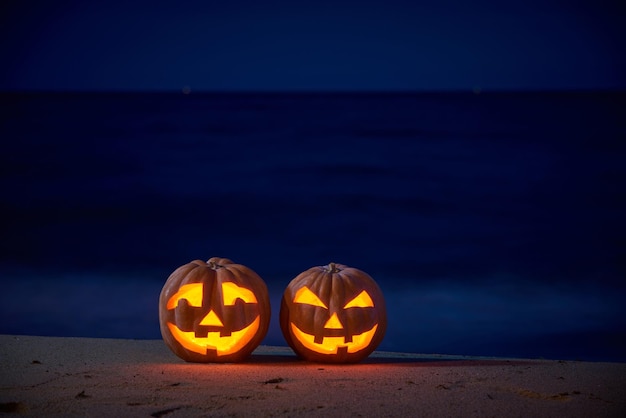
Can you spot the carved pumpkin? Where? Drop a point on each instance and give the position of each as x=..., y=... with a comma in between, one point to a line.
x=214, y=312
x=333, y=314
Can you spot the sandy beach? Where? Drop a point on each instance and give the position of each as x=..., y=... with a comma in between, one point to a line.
x=54, y=376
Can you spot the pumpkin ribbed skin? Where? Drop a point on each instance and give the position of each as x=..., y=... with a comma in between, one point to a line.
x=214, y=311
x=323, y=319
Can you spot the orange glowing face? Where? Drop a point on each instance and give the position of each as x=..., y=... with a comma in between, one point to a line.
x=214, y=312
x=333, y=314
x=331, y=344
x=223, y=345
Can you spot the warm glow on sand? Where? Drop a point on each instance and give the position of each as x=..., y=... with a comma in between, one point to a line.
x=77, y=377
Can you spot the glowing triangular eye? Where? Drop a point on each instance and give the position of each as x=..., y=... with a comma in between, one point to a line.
x=232, y=292
x=362, y=300
x=304, y=295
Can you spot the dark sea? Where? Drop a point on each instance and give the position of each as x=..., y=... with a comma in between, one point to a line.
x=494, y=223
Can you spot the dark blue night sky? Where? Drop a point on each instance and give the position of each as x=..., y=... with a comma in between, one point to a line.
x=312, y=45
x=471, y=158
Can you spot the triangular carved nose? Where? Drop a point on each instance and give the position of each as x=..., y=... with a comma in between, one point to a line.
x=333, y=322
x=211, y=319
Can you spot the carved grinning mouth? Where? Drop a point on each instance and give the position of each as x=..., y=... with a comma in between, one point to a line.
x=330, y=345
x=214, y=340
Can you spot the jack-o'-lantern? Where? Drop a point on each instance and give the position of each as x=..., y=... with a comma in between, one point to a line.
x=333, y=314
x=214, y=311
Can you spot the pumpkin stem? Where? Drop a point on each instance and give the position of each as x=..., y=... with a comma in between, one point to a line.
x=332, y=268
x=213, y=265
